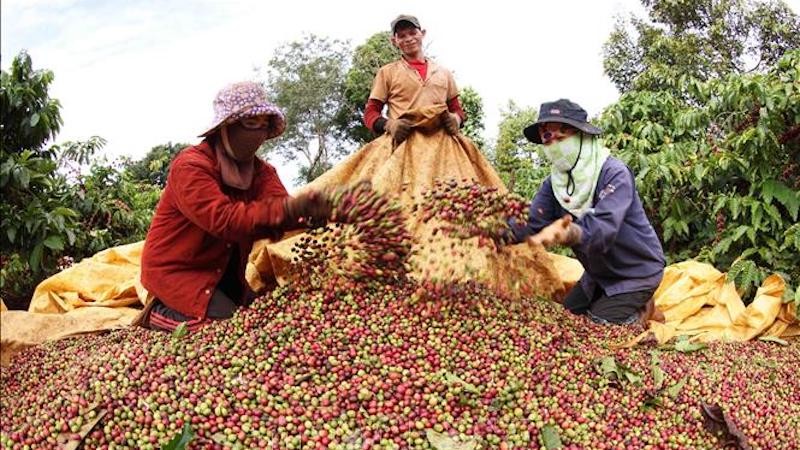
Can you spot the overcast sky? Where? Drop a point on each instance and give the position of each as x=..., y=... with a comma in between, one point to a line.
x=143, y=73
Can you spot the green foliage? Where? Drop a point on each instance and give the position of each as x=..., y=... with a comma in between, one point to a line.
x=29, y=116
x=367, y=59
x=717, y=166
x=306, y=79
x=154, y=167
x=113, y=208
x=697, y=39
x=473, y=128
x=180, y=441
x=517, y=160
x=550, y=438
x=50, y=212
x=35, y=220
x=745, y=275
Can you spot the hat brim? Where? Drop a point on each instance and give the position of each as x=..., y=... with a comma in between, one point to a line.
x=531, y=132
x=277, y=120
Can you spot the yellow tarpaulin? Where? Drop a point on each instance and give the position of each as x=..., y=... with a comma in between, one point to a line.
x=21, y=329
x=698, y=301
x=109, y=278
x=93, y=295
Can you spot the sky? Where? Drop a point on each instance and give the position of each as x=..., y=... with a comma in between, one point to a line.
x=144, y=73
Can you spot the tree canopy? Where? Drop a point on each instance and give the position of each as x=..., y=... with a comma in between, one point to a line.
x=698, y=39
x=306, y=78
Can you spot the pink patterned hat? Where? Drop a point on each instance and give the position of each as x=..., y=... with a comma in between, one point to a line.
x=245, y=99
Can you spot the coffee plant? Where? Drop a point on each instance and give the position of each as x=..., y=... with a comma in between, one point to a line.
x=52, y=211
x=717, y=167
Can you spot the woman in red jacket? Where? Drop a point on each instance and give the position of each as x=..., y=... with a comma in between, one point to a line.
x=219, y=198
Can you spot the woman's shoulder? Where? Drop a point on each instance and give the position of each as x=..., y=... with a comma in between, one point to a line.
x=200, y=154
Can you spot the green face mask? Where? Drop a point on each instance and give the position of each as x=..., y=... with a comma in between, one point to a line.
x=576, y=162
x=563, y=154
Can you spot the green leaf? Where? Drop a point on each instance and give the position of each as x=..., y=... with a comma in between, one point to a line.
x=655, y=369
x=673, y=391
x=688, y=347
x=180, y=441
x=180, y=331
x=454, y=379
x=34, y=119
x=774, y=339
x=64, y=211
x=608, y=366
x=734, y=204
x=24, y=177
x=11, y=233
x=740, y=231
x=632, y=377
x=54, y=242
x=785, y=195
x=550, y=437
x=442, y=441
x=35, y=260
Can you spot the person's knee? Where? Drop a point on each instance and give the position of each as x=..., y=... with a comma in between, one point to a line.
x=576, y=301
x=603, y=318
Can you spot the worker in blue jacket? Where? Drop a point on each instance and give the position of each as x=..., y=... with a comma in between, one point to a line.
x=590, y=203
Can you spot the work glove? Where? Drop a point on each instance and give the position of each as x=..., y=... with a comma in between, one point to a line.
x=399, y=129
x=451, y=122
x=560, y=232
x=309, y=209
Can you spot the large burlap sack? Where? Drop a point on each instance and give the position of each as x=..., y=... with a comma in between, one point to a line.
x=404, y=173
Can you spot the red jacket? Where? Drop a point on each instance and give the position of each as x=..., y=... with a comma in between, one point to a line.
x=198, y=221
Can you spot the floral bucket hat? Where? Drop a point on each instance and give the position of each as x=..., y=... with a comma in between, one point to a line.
x=245, y=99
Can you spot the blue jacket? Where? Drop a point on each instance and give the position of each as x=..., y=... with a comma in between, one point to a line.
x=619, y=248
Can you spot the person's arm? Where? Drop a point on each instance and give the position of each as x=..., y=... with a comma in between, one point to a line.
x=600, y=226
x=199, y=197
x=372, y=116
x=454, y=106
x=542, y=212
x=271, y=191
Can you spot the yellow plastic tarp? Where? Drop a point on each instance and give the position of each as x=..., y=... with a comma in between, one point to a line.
x=109, y=278
x=698, y=301
x=94, y=295
x=22, y=329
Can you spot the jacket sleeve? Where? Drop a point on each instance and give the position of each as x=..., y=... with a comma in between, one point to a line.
x=542, y=212
x=601, y=225
x=198, y=195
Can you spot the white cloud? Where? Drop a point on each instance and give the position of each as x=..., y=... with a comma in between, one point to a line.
x=142, y=73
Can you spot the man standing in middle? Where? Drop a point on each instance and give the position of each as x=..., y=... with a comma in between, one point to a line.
x=411, y=82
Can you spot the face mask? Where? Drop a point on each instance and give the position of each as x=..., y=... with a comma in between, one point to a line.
x=241, y=144
x=563, y=154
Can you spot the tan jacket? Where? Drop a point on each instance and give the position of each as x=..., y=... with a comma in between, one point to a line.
x=399, y=86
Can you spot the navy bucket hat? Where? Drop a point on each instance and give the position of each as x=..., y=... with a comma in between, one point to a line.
x=562, y=111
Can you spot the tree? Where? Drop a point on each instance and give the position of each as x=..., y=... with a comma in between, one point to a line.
x=154, y=167
x=367, y=59
x=473, y=128
x=50, y=212
x=29, y=116
x=517, y=160
x=717, y=167
x=306, y=79
x=35, y=218
x=698, y=39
